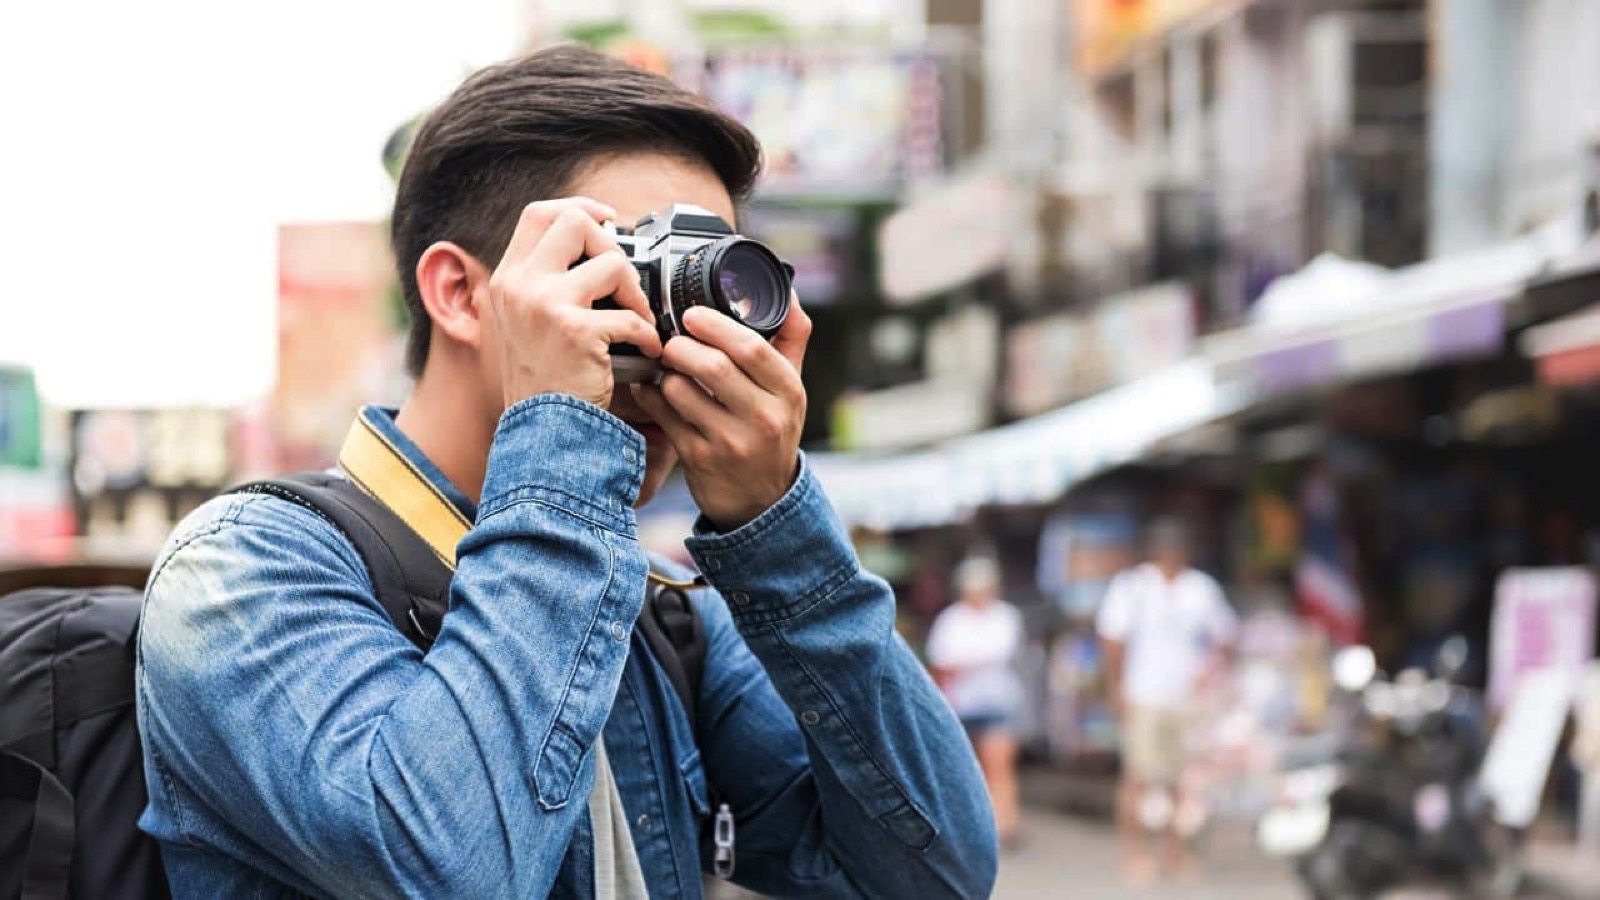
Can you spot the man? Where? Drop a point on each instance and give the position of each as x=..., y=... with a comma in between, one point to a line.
x=1165, y=626
x=296, y=742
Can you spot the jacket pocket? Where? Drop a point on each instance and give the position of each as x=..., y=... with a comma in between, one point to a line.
x=694, y=783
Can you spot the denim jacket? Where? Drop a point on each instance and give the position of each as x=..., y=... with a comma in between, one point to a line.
x=296, y=743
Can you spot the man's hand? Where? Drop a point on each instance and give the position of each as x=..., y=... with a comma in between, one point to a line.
x=733, y=406
x=552, y=339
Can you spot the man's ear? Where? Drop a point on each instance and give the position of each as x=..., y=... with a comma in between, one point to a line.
x=448, y=277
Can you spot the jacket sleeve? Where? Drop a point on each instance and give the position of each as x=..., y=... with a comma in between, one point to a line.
x=314, y=743
x=845, y=770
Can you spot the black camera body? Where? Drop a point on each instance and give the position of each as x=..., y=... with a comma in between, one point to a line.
x=687, y=257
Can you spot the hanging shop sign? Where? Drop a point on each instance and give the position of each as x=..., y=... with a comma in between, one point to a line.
x=1543, y=619
x=948, y=237
x=836, y=120
x=338, y=343
x=19, y=418
x=1055, y=359
x=135, y=473
x=910, y=415
x=1108, y=32
x=1045, y=363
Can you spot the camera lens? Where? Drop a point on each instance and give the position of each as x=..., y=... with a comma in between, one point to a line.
x=738, y=277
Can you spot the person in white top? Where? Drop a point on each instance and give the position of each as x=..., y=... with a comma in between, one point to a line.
x=1164, y=626
x=970, y=649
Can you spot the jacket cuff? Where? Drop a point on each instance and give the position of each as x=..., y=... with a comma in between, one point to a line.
x=558, y=449
x=783, y=561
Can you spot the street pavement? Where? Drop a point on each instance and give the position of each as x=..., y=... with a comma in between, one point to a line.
x=1072, y=857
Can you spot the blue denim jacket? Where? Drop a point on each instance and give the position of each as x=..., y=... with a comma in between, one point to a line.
x=296, y=742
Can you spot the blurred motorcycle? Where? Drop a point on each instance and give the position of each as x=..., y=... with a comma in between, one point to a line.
x=1392, y=795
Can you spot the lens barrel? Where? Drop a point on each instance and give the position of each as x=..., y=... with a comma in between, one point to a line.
x=737, y=277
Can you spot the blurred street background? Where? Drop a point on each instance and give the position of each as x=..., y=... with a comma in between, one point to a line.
x=1318, y=279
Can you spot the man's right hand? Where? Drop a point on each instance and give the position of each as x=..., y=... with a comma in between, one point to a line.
x=551, y=338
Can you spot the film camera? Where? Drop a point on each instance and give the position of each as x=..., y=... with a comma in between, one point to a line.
x=688, y=257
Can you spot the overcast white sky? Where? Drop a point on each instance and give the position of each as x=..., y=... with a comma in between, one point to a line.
x=149, y=150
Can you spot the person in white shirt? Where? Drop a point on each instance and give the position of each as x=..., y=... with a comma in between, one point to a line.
x=970, y=649
x=1164, y=626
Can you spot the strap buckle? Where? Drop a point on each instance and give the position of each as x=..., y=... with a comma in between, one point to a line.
x=722, y=837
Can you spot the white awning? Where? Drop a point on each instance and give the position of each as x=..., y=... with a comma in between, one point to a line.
x=1032, y=461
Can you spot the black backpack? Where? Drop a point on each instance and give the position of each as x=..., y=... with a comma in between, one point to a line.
x=71, y=772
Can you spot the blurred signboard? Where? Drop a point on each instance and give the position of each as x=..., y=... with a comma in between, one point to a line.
x=846, y=120
x=948, y=237
x=136, y=472
x=1543, y=619
x=338, y=347
x=1108, y=32
x=910, y=414
x=1044, y=359
x=19, y=418
x=1056, y=359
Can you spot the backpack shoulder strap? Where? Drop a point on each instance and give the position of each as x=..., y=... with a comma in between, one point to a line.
x=677, y=638
x=411, y=582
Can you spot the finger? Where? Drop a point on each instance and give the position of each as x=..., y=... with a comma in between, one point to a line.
x=684, y=436
x=756, y=358
x=610, y=275
x=537, y=218
x=794, y=334
x=691, y=402
x=719, y=374
x=574, y=234
x=621, y=326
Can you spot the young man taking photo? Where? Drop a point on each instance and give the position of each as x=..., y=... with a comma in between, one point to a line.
x=297, y=743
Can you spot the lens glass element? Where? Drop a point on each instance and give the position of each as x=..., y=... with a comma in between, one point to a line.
x=752, y=286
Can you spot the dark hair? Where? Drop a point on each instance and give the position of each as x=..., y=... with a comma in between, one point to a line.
x=519, y=131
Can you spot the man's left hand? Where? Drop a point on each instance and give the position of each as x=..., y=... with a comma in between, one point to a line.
x=733, y=406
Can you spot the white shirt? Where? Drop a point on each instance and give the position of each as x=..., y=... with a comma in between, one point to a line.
x=976, y=645
x=1168, y=628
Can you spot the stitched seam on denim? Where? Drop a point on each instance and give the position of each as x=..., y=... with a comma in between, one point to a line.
x=227, y=517
x=855, y=737
x=658, y=797
x=621, y=527
x=157, y=759
x=786, y=509
x=591, y=412
x=557, y=722
x=807, y=601
x=590, y=511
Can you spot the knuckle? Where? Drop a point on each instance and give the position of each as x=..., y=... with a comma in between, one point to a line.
x=538, y=212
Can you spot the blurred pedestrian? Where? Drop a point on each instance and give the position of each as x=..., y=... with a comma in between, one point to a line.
x=971, y=649
x=1166, y=627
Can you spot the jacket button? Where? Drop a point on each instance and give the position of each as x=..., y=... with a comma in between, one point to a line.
x=741, y=598
x=713, y=565
x=618, y=631
x=810, y=717
x=642, y=822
